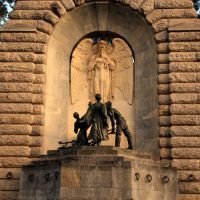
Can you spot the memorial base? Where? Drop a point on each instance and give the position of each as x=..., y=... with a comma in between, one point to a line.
x=91, y=173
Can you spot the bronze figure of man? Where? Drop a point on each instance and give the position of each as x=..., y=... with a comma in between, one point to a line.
x=115, y=115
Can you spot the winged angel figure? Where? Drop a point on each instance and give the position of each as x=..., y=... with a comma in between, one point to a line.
x=102, y=67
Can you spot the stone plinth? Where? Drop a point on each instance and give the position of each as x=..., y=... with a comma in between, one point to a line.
x=84, y=173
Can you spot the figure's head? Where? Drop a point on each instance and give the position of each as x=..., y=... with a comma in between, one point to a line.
x=76, y=115
x=108, y=105
x=102, y=44
x=98, y=97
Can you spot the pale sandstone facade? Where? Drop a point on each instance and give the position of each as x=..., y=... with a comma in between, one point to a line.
x=23, y=57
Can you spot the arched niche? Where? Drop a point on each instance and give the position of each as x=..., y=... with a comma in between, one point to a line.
x=71, y=28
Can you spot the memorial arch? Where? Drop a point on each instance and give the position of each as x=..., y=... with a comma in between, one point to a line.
x=102, y=18
x=36, y=48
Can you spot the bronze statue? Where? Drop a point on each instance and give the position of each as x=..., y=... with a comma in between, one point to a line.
x=96, y=116
x=80, y=128
x=115, y=115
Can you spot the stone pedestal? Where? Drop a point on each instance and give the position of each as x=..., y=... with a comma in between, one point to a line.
x=89, y=173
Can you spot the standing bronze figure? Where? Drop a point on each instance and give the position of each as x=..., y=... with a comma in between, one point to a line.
x=97, y=114
x=115, y=115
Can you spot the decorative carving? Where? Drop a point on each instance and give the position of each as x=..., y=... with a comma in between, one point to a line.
x=101, y=67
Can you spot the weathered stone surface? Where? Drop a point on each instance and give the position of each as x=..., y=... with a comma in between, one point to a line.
x=184, y=109
x=44, y=27
x=14, y=161
x=185, y=119
x=42, y=37
x=185, y=131
x=164, y=120
x=164, y=89
x=165, y=142
x=165, y=132
x=15, y=108
x=39, y=78
x=186, y=153
x=16, y=77
x=37, y=120
x=16, y=151
x=158, y=14
x=39, y=69
x=177, y=22
x=35, y=152
x=12, y=129
x=164, y=99
x=26, y=26
x=163, y=78
x=164, y=110
x=47, y=15
x=184, y=36
x=160, y=25
x=162, y=36
x=185, y=175
x=154, y=16
x=38, y=109
x=17, y=37
x=184, y=46
x=17, y=67
x=16, y=87
x=162, y=48
x=184, y=56
x=36, y=141
x=81, y=2
x=15, y=140
x=186, y=164
x=184, y=66
x=189, y=187
x=40, y=59
x=41, y=5
x=15, y=172
x=179, y=13
x=15, y=119
x=17, y=57
x=147, y=6
x=22, y=47
x=12, y=185
x=38, y=88
x=185, y=98
x=185, y=142
x=163, y=68
x=185, y=87
x=15, y=97
x=165, y=153
x=188, y=197
x=37, y=130
x=38, y=98
x=69, y=4
x=184, y=77
x=11, y=195
x=163, y=58
x=173, y=4
x=135, y=4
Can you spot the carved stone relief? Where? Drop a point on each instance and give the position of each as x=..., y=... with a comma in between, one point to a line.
x=102, y=67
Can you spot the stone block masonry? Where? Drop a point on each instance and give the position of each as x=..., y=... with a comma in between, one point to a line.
x=23, y=49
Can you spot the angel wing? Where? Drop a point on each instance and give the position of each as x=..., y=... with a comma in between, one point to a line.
x=79, y=64
x=124, y=69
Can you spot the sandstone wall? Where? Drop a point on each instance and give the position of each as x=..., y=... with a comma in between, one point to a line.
x=24, y=41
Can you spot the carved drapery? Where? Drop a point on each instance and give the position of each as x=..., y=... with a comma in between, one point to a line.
x=102, y=67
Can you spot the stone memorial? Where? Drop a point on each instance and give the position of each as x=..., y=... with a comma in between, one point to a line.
x=140, y=140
